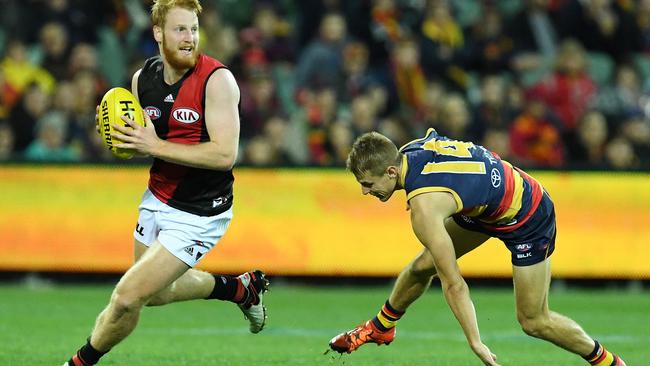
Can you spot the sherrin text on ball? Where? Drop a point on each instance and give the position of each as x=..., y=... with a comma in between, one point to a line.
x=118, y=102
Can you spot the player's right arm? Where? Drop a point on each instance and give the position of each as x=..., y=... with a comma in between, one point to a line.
x=428, y=214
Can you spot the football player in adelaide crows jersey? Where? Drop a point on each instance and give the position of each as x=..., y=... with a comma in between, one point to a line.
x=192, y=132
x=460, y=195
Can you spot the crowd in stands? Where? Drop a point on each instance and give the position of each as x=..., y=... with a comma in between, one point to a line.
x=561, y=84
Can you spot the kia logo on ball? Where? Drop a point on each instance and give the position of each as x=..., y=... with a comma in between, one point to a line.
x=185, y=115
x=153, y=112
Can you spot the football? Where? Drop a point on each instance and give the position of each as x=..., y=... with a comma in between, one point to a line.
x=118, y=102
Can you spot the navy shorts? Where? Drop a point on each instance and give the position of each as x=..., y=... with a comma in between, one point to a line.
x=532, y=242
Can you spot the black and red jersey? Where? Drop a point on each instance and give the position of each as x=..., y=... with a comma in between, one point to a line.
x=178, y=114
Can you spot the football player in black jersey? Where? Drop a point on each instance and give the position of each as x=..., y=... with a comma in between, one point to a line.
x=192, y=132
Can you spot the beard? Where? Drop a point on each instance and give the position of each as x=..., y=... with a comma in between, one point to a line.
x=177, y=59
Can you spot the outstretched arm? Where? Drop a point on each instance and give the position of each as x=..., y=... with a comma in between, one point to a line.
x=428, y=214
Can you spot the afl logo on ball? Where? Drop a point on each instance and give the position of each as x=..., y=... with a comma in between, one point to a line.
x=153, y=112
x=185, y=115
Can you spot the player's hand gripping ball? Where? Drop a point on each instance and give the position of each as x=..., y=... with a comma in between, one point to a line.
x=118, y=102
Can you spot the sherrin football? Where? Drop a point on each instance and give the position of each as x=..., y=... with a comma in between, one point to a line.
x=118, y=102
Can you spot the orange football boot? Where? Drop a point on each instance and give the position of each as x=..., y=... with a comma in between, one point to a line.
x=362, y=334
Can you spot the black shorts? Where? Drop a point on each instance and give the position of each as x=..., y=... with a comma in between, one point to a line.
x=532, y=242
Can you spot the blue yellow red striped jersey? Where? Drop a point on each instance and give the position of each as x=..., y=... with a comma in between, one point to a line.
x=487, y=189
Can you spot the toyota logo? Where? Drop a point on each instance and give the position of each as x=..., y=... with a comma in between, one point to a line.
x=495, y=176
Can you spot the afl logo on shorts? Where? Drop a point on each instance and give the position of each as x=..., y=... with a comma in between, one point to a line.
x=153, y=112
x=495, y=176
x=523, y=247
x=185, y=115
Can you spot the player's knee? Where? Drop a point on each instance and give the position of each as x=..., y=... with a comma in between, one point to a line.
x=535, y=326
x=126, y=302
x=159, y=299
x=421, y=269
x=422, y=272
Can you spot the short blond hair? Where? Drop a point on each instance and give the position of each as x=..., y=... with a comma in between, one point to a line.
x=372, y=153
x=160, y=8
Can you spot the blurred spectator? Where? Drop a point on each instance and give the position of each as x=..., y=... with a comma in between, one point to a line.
x=601, y=25
x=455, y=118
x=535, y=139
x=309, y=20
x=238, y=11
x=251, y=55
x=535, y=36
x=442, y=41
x=270, y=147
x=363, y=115
x=620, y=154
x=569, y=89
x=87, y=87
x=320, y=64
x=50, y=144
x=355, y=69
x=23, y=117
x=259, y=152
x=386, y=25
x=339, y=68
x=498, y=141
x=371, y=22
x=378, y=94
x=489, y=50
x=12, y=21
x=258, y=103
x=218, y=40
x=80, y=18
x=592, y=135
x=624, y=95
x=55, y=49
x=435, y=94
x=275, y=130
x=393, y=128
x=643, y=24
x=493, y=111
x=81, y=126
x=273, y=33
x=6, y=141
x=636, y=129
x=94, y=149
x=339, y=141
x=515, y=98
x=83, y=57
x=19, y=72
x=8, y=96
x=319, y=108
x=409, y=79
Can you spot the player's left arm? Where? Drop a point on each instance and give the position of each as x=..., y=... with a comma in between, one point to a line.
x=221, y=116
x=428, y=214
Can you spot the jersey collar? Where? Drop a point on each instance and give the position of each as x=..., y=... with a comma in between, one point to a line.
x=403, y=170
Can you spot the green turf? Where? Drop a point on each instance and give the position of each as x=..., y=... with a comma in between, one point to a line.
x=44, y=326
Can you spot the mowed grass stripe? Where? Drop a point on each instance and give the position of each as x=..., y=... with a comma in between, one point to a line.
x=455, y=336
x=44, y=326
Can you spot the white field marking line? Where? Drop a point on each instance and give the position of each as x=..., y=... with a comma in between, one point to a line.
x=406, y=334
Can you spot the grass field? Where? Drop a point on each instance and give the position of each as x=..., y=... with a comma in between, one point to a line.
x=44, y=326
